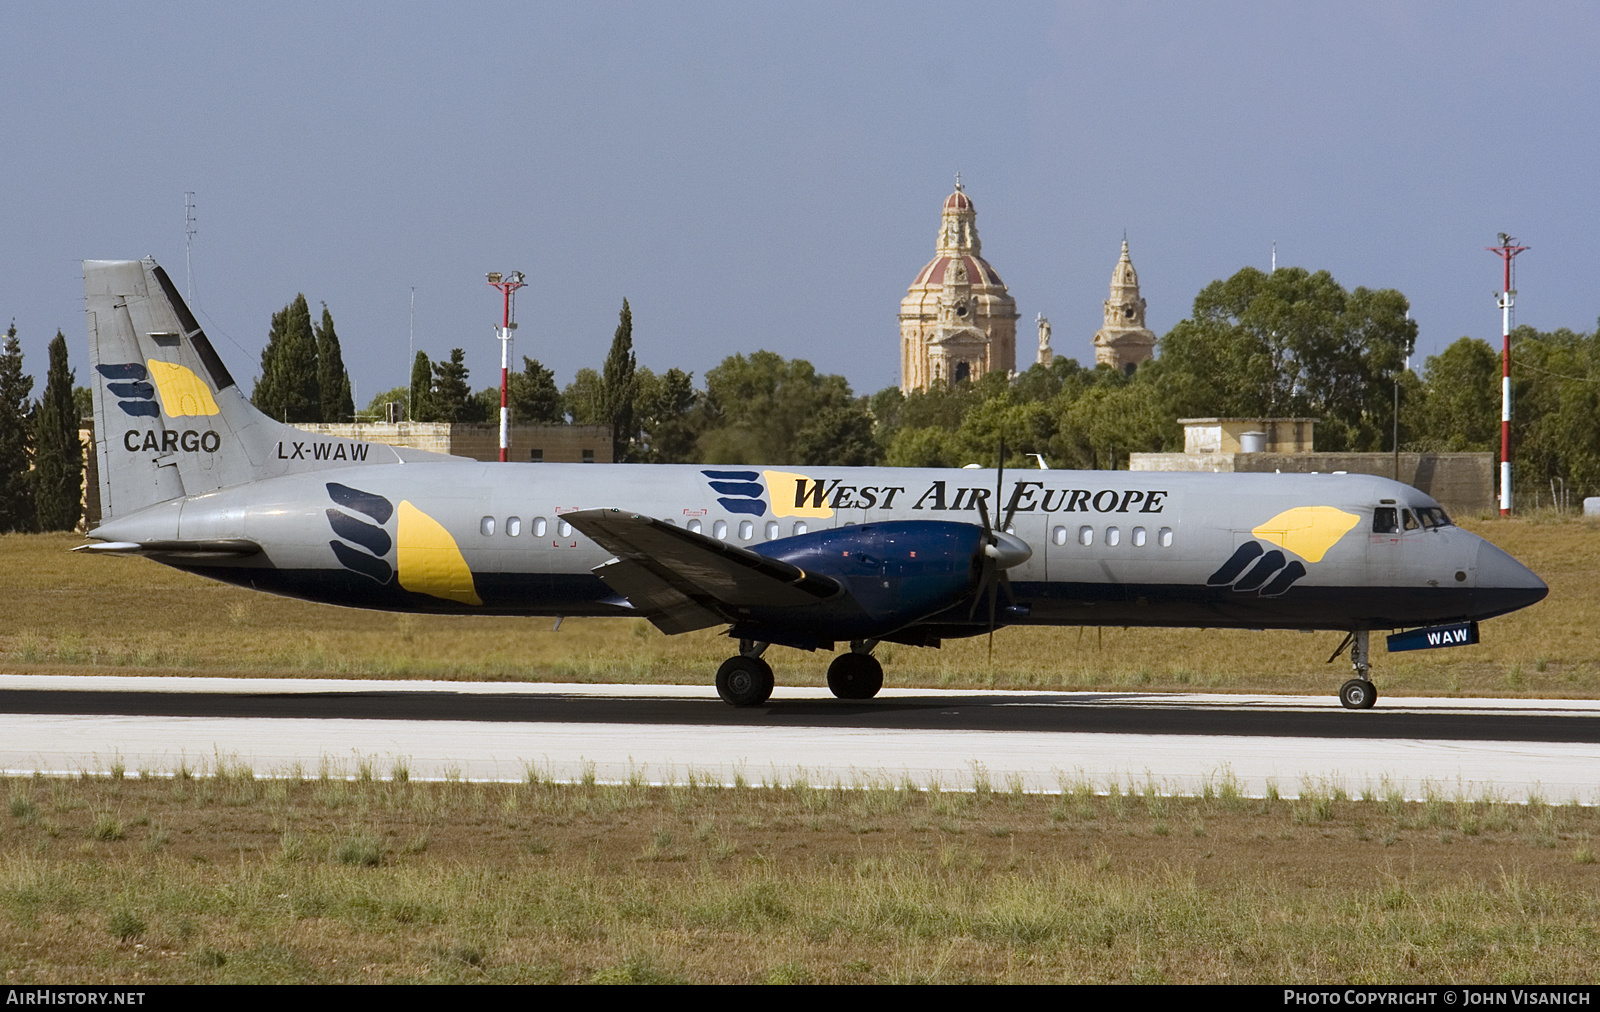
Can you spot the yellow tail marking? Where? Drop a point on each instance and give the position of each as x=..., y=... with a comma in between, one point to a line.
x=783, y=488
x=1307, y=531
x=430, y=561
x=182, y=392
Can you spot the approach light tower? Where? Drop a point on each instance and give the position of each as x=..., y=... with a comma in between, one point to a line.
x=1506, y=251
x=508, y=285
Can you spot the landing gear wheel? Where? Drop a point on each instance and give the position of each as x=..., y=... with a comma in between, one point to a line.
x=1358, y=694
x=855, y=676
x=744, y=681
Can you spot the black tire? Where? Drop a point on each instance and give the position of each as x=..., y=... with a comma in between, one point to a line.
x=744, y=681
x=1358, y=694
x=855, y=676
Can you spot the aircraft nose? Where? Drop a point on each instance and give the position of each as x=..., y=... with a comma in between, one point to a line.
x=1008, y=550
x=1504, y=584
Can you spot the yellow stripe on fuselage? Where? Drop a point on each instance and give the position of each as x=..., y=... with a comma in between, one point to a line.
x=1307, y=531
x=430, y=560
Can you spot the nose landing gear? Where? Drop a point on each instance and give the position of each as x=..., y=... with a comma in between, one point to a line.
x=1358, y=693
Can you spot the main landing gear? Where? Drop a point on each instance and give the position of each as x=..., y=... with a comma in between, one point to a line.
x=857, y=674
x=1358, y=693
x=746, y=679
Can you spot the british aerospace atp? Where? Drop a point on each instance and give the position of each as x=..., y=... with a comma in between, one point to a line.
x=193, y=476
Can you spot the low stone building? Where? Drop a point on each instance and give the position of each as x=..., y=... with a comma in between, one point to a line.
x=573, y=444
x=1462, y=482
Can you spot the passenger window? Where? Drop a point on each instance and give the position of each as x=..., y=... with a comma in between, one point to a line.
x=719, y=530
x=694, y=525
x=800, y=527
x=563, y=528
x=772, y=530
x=1164, y=536
x=486, y=526
x=1059, y=535
x=1113, y=537
x=513, y=526
x=1385, y=521
x=747, y=530
x=538, y=527
x=1138, y=537
x=1086, y=535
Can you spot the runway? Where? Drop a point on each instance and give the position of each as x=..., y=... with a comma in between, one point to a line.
x=1509, y=748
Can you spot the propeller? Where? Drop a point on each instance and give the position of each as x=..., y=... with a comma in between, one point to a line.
x=1001, y=550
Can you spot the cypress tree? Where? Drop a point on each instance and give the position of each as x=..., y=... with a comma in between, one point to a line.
x=287, y=389
x=333, y=383
x=620, y=386
x=421, y=406
x=57, y=452
x=534, y=397
x=16, y=423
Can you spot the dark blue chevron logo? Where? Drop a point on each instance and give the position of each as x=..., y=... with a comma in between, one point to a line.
x=1254, y=569
x=356, y=534
x=738, y=491
x=130, y=383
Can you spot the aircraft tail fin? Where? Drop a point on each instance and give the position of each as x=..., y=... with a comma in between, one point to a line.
x=170, y=421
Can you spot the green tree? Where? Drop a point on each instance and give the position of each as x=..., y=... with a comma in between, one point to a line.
x=333, y=383
x=16, y=427
x=837, y=437
x=377, y=409
x=584, y=399
x=663, y=412
x=288, y=388
x=1291, y=343
x=755, y=406
x=57, y=451
x=450, y=399
x=534, y=397
x=420, y=403
x=1459, y=406
x=620, y=387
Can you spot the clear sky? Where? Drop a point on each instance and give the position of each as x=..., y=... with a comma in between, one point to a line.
x=753, y=176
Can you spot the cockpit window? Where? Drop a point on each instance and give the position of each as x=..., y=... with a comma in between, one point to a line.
x=1432, y=517
x=1409, y=521
x=1385, y=520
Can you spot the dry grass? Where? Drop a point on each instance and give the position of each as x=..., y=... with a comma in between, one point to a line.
x=70, y=614
x=230, y=878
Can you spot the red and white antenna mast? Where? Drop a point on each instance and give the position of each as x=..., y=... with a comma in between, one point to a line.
x=507, y=285
x=1506, y=251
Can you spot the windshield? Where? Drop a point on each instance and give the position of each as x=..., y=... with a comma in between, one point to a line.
x=1433, y=517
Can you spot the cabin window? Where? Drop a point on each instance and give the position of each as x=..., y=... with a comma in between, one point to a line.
x=747, y=530
x=1385, y=520
x=1138, y=537
x=669, y=521
x=772, y=530
x=513, y=526
x=563, y=529
x=1085, y=535
x=538, y=527
x=719, y=530
x=800, y=527
x=1113, y=536
x=694, y=525
x=486, y=526
x=1059, y=535
x=1164, y=537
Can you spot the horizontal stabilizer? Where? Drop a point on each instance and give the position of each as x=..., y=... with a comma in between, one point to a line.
x=681, y=580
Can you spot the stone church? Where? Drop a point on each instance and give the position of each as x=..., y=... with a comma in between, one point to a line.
x=957, y=321
x=1124, y=341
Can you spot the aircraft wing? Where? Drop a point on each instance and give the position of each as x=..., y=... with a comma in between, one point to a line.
x=681, y=580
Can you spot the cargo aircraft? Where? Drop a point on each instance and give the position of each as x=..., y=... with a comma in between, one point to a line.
x=193, y=476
